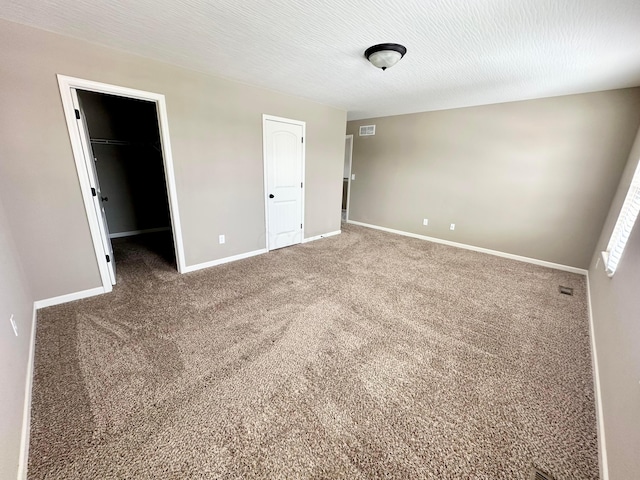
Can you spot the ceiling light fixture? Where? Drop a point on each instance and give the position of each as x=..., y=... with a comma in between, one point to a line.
x=385, y=55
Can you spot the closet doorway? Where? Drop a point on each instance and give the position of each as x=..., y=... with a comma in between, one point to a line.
x=120, y=142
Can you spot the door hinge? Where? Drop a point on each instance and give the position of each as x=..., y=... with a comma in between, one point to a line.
x=77, y=114
x=300, y=225
x=93, y=192
x=108, y=259
x=300, y=184
x=301, y=139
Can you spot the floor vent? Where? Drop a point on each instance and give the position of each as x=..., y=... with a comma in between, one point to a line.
x=540, y=475
x=566, y=290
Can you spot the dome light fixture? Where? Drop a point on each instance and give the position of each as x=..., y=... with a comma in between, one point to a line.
x=385, y=55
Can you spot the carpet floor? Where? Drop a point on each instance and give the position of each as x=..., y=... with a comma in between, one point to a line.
x=364, y=355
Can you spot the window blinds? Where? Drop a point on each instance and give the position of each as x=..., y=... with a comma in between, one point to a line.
x=624, y=225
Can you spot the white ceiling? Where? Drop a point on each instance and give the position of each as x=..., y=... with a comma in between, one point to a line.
x=460, y=53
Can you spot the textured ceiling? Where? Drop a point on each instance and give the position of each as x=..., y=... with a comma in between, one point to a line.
x=460, y=53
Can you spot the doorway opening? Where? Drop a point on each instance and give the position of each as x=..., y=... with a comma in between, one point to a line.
x=120, y=142
x=129, y=176
x=347, y=177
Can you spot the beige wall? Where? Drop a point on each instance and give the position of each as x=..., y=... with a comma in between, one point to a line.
x=16, y=299
x=615, y=306
x=532, y=178
x=216, y=135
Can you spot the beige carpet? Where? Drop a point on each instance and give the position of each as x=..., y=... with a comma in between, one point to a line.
x=365, y=355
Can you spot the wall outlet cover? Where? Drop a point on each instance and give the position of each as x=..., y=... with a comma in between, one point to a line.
x=221, y=239
x=452, y=227
x=425, y=222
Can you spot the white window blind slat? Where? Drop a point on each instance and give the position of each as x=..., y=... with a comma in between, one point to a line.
x=624, y=225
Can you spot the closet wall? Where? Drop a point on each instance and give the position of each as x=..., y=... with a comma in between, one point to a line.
x=126, y=142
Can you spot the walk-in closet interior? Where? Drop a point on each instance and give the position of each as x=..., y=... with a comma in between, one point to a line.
x=125, y=143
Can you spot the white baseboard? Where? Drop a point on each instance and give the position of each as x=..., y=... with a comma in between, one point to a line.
x=535, y=261
x=70, y=297
x=324, y=235
x=26, y=413
x=602, y=444
x=131, y=233
x=220, y=261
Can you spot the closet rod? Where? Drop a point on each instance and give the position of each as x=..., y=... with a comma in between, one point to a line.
x=106, y=141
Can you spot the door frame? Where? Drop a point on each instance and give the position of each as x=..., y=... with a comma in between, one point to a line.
x=347, y=138
x=66, y=84
x=94, y=182
x=266, y=118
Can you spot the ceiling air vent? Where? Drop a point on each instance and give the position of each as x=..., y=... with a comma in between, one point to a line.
x=367, y=130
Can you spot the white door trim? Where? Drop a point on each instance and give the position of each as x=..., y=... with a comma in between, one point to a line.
x=265, y=171
x=349, y=137
x=94, y=183
x=66, y=84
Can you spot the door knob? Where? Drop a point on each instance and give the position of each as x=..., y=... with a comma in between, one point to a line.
x=271, y=195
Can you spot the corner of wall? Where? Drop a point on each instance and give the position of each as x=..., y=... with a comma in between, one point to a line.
x=26, y=416
x=602, y=444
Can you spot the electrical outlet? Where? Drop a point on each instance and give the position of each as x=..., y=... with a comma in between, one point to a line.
x=425, y=222
x=13, y=324
x=221, y=239
x=452, y=227
x=353, y=176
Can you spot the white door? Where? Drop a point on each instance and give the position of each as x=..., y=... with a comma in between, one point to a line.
x=284, y=157
x=95, y=185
